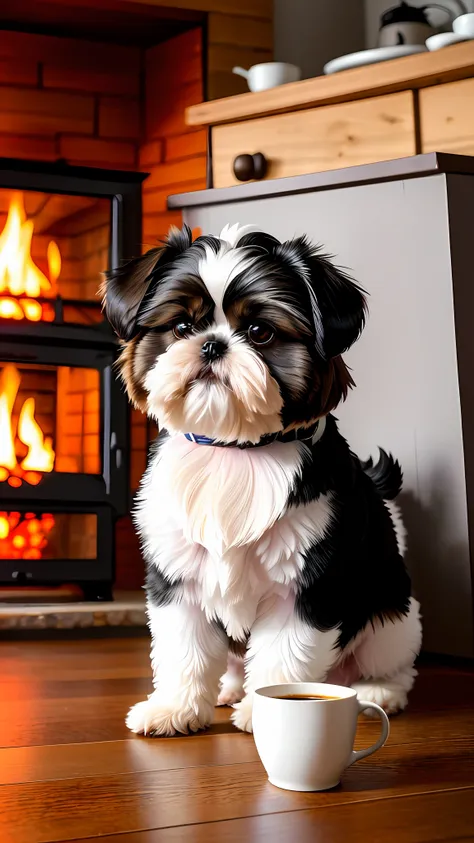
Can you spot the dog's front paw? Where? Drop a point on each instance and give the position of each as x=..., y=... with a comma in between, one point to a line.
x=154, y=718
x=388, y=695
x=242, y=716
x=231, y=691
x=229, y=696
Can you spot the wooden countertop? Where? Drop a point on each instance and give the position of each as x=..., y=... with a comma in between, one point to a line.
x=418, y=71
x=417, y=166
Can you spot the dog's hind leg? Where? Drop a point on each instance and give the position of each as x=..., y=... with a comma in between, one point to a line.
x=385, y=657
x=232, y=683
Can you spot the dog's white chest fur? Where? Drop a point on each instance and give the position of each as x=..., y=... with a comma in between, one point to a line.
x=216, y=519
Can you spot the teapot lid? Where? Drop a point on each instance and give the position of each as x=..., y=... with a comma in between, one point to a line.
x=404, y=13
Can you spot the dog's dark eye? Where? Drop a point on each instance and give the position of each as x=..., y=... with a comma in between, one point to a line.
x=182, y=330
x=260, y=334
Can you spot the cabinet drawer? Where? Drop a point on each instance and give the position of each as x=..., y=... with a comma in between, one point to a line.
x=447, y=118
x=318, y=139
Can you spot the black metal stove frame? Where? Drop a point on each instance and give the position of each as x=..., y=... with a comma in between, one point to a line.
x=95, y=347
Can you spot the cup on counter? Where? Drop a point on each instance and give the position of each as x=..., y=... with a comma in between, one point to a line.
x=269, y=74
x=464, y=25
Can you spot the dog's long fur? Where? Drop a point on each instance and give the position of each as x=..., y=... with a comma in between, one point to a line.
x=285, y=548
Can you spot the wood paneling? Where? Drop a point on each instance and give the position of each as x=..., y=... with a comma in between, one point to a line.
x=400, y=74
x=119, y=118
x=251, y=8
x=155, y=201
x=221, y=82
x=236, y=40
x=319, y=139
x=35, y=148
x=73, y=772
x=186, y=146
x=240, y=32
x=41, y=112
x=165, y=112
x=447, y=118
x=18, y=72
x=99, y=77
x=105, y=153
x=52, y=48
x=151, y=153
x=174, y=173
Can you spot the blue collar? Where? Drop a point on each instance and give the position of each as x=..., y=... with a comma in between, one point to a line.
x=200, y=440
x=303, y=434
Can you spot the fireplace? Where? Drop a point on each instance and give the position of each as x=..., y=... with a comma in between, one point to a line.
x=82, y=93
x=64, y=418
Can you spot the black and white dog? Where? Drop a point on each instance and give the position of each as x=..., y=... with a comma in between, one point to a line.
x=264, y=536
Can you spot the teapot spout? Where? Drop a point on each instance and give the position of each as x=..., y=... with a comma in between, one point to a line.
x=239, y=71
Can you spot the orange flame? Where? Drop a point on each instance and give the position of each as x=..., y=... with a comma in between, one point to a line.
x=21, y=281
x=23, y=536
x=40, y=456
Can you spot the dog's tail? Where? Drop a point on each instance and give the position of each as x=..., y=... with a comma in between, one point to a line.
x=386, y=475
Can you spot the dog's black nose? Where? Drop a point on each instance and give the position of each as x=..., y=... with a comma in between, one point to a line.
x=213, y=349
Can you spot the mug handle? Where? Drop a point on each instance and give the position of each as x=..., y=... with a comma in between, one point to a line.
x=385, y=723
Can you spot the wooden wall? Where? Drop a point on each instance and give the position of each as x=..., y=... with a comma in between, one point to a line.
x=66, y=98
x=237, y=39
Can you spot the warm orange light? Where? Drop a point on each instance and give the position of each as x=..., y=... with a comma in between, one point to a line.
x=10, y=308
x=40, y=456
x=54, y=262
x=32, y=553
x=8, y=392
x=36, y=541
x=32, y=525
x=4, y=527
x=17, y=541
x=21, y=281
x=32, y=309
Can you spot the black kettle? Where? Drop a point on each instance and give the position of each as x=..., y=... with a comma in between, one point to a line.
x=408, y=25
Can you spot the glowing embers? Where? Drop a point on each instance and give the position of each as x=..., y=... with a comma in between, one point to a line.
x=24, y=535
x=28, y=436
x=21, y=281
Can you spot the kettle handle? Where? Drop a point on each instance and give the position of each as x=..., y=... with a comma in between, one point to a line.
x=239, y=71
x=448, y=11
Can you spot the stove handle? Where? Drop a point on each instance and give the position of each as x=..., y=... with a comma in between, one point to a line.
x=115, y=449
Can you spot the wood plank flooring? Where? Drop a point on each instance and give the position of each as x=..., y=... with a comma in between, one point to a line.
x=69, y=769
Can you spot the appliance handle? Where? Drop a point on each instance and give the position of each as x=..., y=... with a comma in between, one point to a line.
x=452, y=15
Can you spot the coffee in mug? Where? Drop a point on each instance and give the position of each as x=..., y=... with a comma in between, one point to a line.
x=304, y=733
x=304, y=697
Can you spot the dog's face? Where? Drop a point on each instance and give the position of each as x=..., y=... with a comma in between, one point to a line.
x=236, y=336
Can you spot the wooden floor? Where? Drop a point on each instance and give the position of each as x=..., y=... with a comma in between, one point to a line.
x=69, y=769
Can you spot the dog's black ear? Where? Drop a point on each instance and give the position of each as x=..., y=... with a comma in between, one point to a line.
x=125, y=288
x=338, y=304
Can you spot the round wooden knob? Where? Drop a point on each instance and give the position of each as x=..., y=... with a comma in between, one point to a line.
x=248, y=167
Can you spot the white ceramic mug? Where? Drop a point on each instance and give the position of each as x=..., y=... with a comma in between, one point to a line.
x=269, y=74
x=307, y=744
x=464, y=25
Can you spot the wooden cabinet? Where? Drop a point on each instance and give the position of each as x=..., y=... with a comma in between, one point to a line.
x=317, y=139
x=398, y=108
x=447, y=118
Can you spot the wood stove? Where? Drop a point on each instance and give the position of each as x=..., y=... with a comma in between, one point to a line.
x=64, y=428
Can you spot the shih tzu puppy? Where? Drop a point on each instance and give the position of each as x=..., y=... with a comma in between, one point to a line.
x=269, y=547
